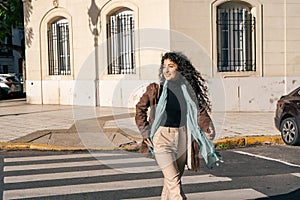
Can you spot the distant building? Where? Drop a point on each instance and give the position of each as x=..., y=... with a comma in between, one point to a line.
x=10, y=60
x=105, y=52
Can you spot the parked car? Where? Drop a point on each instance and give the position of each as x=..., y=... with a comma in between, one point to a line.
x=9, y=86
x=287, y=117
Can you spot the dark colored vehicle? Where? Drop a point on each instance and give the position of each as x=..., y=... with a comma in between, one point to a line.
x=10, y=86
x=287, y=118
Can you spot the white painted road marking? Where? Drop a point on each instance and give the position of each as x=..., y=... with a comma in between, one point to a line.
x=107, y=186
x=75, y=164
x=77, y=174
x=60, y=157
x=23, y=173
x=237, y=194
x=296, y=174
x=267, y=158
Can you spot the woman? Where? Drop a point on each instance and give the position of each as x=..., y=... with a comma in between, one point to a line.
x=178, y=123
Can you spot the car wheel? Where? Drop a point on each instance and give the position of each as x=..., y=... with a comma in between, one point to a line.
x=290, y=131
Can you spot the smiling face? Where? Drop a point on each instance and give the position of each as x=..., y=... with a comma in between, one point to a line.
x=170, y=70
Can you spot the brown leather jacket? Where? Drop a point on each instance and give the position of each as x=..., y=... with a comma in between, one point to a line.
x=149, y=100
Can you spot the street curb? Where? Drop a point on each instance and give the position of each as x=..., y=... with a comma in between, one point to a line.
x=226, y=143
x=229, y=143
x=14, y=146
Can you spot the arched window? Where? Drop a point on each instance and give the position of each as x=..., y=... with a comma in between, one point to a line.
x=120, y=35
x=236, y=39
x=59, y=48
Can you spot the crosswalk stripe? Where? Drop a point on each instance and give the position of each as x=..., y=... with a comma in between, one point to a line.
x=77, y=174
x=236, y=194
x=206, y=178
x=61, y=157
x=51, y=165
x=296, y=174
x=118, y=160
x=75, y=164
x=93, y=173
x=101, y=187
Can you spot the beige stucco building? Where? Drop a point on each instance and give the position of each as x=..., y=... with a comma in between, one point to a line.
x=104, y=52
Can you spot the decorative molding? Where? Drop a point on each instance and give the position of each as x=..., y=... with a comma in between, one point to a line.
x=55, y=3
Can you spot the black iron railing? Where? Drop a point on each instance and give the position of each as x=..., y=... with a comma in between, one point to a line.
x=59, y=49
x=121, y=54
x=236, y=40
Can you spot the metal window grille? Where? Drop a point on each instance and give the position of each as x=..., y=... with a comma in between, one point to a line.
x=236, y=40
x=4, y=69
x=120, y=33
x=59, y=48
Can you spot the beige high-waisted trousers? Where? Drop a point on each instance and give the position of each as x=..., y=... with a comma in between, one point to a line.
x=170, y=153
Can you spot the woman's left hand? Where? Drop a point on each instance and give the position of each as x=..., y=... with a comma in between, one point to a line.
x=148, y=142
x=210, y=133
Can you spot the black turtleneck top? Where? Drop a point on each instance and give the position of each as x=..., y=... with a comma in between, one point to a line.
x=176, y=108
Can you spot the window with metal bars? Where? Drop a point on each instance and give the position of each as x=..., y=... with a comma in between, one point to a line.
x=120, y=35
x=59, y=48
x=236, y=39
x=4, y=51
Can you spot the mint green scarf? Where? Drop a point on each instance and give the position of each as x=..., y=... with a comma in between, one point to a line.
x=207, y=148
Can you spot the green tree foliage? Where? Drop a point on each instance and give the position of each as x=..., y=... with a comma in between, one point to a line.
x=11, y=16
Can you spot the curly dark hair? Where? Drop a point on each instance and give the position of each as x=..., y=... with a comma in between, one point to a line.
x=196, y=84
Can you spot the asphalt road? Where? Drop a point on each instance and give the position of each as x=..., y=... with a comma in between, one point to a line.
x=262, y=172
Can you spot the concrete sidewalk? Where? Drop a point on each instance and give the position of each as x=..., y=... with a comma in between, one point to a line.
x=56, y=127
